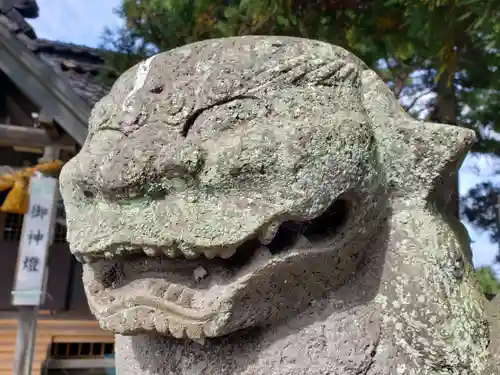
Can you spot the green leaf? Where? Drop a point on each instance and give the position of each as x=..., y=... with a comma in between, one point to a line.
x=283, y=21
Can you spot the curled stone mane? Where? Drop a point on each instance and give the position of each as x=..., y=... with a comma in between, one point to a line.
x=263, y=204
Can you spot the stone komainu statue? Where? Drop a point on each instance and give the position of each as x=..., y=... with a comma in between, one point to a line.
x=263, y=205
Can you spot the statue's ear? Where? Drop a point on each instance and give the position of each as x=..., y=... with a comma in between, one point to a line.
x=379, y=101
x=431, y=151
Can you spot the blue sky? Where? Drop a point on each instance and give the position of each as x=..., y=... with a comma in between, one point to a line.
x=75, y=21
x=82, y=22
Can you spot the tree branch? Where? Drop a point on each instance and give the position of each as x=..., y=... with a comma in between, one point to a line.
x=410, y=106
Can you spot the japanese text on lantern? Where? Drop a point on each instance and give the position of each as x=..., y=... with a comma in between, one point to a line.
x=35, y=241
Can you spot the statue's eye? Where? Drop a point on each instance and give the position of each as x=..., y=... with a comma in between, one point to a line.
x=226, y=110
x=157, y=89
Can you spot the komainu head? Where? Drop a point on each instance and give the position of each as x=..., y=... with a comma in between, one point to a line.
x=226, y=184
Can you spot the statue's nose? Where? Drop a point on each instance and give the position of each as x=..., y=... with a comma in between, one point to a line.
x=114, y=166
x=135, y=166
x=125, y=167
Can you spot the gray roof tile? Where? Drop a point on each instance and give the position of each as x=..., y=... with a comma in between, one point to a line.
x=79, y=65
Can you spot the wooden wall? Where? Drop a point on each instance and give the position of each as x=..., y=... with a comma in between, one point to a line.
x=48, y=331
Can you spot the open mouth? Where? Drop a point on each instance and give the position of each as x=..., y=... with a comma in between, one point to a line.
x=190, y=288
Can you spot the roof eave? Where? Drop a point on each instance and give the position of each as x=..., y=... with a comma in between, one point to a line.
x=42, y=85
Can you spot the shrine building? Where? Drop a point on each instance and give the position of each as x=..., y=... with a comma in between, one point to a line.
x=47, y=90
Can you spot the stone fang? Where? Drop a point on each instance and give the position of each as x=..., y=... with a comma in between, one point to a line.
x=199, y=273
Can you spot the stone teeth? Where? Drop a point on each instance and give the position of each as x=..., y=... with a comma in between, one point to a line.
x=151, y=251
x=186, y=297
x=173, y=293
x=161, y=323
x=170, y=252
x=268, y=234
x=227, y=253
x=121, y=249
x=176, y=329
x=188, y=251
x=209, y=254
x=199, y=273
x=190, y=254
x=195, y=333
x=148, y=322
x=208, y=331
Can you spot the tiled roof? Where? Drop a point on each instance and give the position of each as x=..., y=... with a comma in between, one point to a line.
x=79, y=65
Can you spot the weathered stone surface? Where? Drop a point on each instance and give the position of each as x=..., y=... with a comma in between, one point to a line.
x=293, y=161
x=493, y=316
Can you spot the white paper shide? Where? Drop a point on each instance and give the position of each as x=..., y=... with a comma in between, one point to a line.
x=35, y=241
